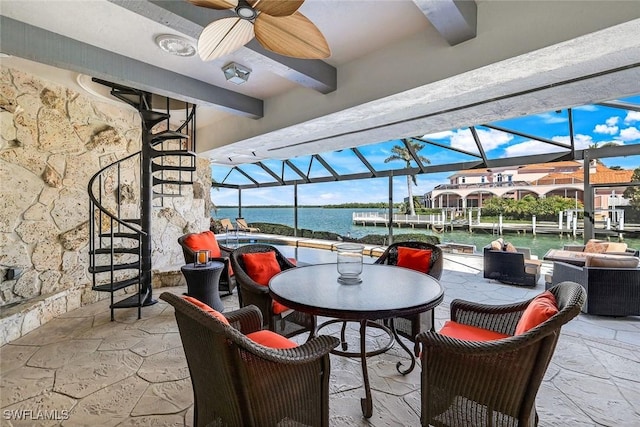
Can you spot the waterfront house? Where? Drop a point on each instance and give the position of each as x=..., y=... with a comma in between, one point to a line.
x=469, y=188
x=398, y=69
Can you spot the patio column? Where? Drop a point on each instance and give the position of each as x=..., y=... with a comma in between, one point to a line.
x=390, y=225
x=588, y=199
x=295, y=209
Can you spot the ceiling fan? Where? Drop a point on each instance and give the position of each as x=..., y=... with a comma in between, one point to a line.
x=276, y=24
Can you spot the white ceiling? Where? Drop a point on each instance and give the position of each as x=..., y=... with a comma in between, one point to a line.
x=396, y=75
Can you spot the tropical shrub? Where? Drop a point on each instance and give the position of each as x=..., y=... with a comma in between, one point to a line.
x=545, y=209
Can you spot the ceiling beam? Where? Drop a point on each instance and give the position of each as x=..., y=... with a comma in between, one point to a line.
x=39, y=45
x=190, y=20
x=455, y=20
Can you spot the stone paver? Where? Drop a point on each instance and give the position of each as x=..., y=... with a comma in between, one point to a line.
x=130, y=372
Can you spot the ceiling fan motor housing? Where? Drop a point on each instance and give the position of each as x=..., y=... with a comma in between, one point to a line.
x=244, y=11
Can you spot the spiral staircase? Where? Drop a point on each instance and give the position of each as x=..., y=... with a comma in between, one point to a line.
x=124, y=194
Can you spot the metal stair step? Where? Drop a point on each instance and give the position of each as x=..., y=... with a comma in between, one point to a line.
x=165, y=153
x=117, y=285
x=106, y=268
x=121, y=235
x=152, y=118
x=157, y=167
x=166, y=135
x=158, y=195
x=137, y=221
x=158, y=181
x=101, y=251
x=132, y=301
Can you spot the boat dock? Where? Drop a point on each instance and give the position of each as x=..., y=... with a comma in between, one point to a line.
x=440, y=223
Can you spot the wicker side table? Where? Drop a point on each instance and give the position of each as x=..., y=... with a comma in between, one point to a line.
x=202, y=283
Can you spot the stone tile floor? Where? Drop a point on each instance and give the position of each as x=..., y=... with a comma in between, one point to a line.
x=83, y=370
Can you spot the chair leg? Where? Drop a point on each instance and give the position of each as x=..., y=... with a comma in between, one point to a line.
x=343, y=338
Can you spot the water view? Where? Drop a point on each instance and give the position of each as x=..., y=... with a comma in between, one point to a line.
x=340, y=221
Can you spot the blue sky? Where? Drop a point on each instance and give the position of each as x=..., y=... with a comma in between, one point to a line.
x=593, y=124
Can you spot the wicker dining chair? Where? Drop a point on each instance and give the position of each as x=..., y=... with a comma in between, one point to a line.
x=238, y=382
x=227, y=282
x=252, y=293
x=469, y=383
x=411, y=326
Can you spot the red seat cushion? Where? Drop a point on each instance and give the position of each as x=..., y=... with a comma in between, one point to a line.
x=205, y=307
x=469, y=333
x=271, y=339
x=261, y=266
x=278, y=308
x=539, y=310
x=415, y=259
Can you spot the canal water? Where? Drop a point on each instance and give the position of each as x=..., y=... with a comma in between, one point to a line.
x=340, y=221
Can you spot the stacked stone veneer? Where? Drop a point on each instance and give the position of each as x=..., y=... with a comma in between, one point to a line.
x=53, y=141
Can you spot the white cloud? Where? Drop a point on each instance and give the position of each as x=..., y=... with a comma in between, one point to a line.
x=607, y=130
x=550, y=118
x=612, y=121
x=439, y=135
x=328, y=196
x=589, y=108
x=632, y=116
x=531, y=147
x=581, y=141
x=629, y=134
x=490, y=139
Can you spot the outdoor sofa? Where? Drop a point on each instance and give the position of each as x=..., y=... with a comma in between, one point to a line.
x=508, y=264
x=612, y=284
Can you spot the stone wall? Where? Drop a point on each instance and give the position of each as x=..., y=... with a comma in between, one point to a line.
x=53, y=140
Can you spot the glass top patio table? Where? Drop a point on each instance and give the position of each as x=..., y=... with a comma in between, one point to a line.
x=385, y=292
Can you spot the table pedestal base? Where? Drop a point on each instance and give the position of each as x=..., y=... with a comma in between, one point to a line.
x=367, y=402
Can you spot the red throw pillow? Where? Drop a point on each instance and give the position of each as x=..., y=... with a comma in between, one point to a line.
x=204, y=307
x=271, y=339
x=204, y=241
x=415, y=259
x=469, y=333
x=261, y=266
x=540, y=309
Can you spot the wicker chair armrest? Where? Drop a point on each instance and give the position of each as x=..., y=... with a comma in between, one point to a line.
x=246, y=319
x=499, y=318
x=310, y=351
x=563, y=272
x=225, y=250
x=223, y=260
x=248, y=285
x=574, y=248
x=437, y=345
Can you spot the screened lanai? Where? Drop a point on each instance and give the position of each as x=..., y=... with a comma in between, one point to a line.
x=607, y=130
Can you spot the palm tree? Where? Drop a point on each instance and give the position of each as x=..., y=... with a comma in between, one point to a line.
x=401, y=152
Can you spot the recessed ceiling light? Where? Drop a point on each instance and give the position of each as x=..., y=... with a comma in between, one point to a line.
x=175, y=45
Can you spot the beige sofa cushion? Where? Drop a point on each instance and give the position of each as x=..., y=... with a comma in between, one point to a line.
x=621, y=262
x=595, y=247
x=616, y=247
x=496, y=245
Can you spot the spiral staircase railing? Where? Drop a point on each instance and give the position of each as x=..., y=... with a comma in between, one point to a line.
x=120, y=213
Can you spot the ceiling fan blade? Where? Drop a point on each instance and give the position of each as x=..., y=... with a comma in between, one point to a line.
x=215, y=4
x=293, y=36
x=276, y=7
x=224, y=36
